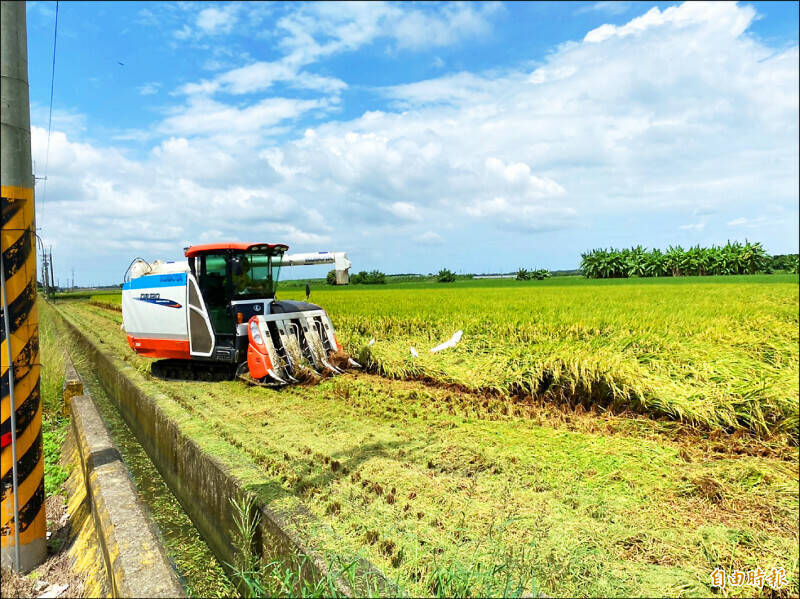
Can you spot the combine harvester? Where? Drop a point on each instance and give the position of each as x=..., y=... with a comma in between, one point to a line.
x=214, y=316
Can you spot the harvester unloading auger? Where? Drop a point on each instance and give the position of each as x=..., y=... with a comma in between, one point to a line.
x=214, y=316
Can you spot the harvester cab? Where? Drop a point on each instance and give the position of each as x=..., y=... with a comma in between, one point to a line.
x=215, y=315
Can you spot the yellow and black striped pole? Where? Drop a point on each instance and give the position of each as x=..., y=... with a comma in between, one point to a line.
x=23, y=516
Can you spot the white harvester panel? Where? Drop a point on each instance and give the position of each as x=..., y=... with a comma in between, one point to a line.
x=164, y=316
x=154, y=306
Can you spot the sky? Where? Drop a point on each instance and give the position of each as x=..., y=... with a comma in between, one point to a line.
x=479, y=137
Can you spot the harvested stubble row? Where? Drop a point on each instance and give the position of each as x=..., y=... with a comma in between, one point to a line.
x=434, y=485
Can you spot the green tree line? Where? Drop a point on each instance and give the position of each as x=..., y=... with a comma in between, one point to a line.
x=733, y=258
x=539, y=274
x=373, y=277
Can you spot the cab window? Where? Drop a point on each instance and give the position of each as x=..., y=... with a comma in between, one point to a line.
x=212, y=275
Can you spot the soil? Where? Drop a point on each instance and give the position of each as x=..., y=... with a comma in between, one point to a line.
x=57, y=568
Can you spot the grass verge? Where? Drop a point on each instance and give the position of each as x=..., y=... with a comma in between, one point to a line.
x=53, y=361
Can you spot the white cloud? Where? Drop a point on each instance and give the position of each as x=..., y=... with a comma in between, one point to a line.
x=206, y=117
x=663, y=117
x=610, y=7
x=147, y=17
x=195, y=160
x=429, y=238
x=314, y=31
x=710, y=16
x=517, y=177
x=65, y=120
x=210, y=21
x=404, y=211
x=455, y=89
x=324, y=28
x=184, y=33
x=100, y=203
x=693, y=226
x=218, y=20
x=455, y=22
x=260, y=76
x=759, y=222
x=43, y=8
x=254, y=77
x=148, y=89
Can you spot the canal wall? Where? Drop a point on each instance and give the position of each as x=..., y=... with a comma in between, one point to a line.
x=135, y=561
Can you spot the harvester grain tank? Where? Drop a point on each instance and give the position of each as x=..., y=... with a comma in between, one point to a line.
x=215, y=315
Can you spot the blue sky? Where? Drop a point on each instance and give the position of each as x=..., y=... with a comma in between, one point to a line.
x=415, y=136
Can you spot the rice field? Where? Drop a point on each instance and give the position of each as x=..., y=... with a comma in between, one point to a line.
x=508, y=470
x=716, y=352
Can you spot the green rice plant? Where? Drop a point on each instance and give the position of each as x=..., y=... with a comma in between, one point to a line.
x=112, y=302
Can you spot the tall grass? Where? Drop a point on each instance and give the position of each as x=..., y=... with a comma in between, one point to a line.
x=288, y=577
x=53, y=361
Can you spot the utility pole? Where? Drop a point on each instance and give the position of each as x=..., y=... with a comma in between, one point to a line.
x=52, y=278
x=45, y=275
x=23, y=544
x=73, y=280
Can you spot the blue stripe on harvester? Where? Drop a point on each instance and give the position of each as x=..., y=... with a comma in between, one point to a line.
x=151, y=281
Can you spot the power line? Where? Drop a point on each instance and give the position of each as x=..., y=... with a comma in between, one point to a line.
x=50, y=117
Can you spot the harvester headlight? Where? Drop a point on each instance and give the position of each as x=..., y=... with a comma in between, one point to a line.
x=255, y=333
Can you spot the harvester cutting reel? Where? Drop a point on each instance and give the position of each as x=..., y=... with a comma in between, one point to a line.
x=290, y=348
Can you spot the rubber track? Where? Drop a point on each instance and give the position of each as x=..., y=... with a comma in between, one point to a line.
x=188, y=370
